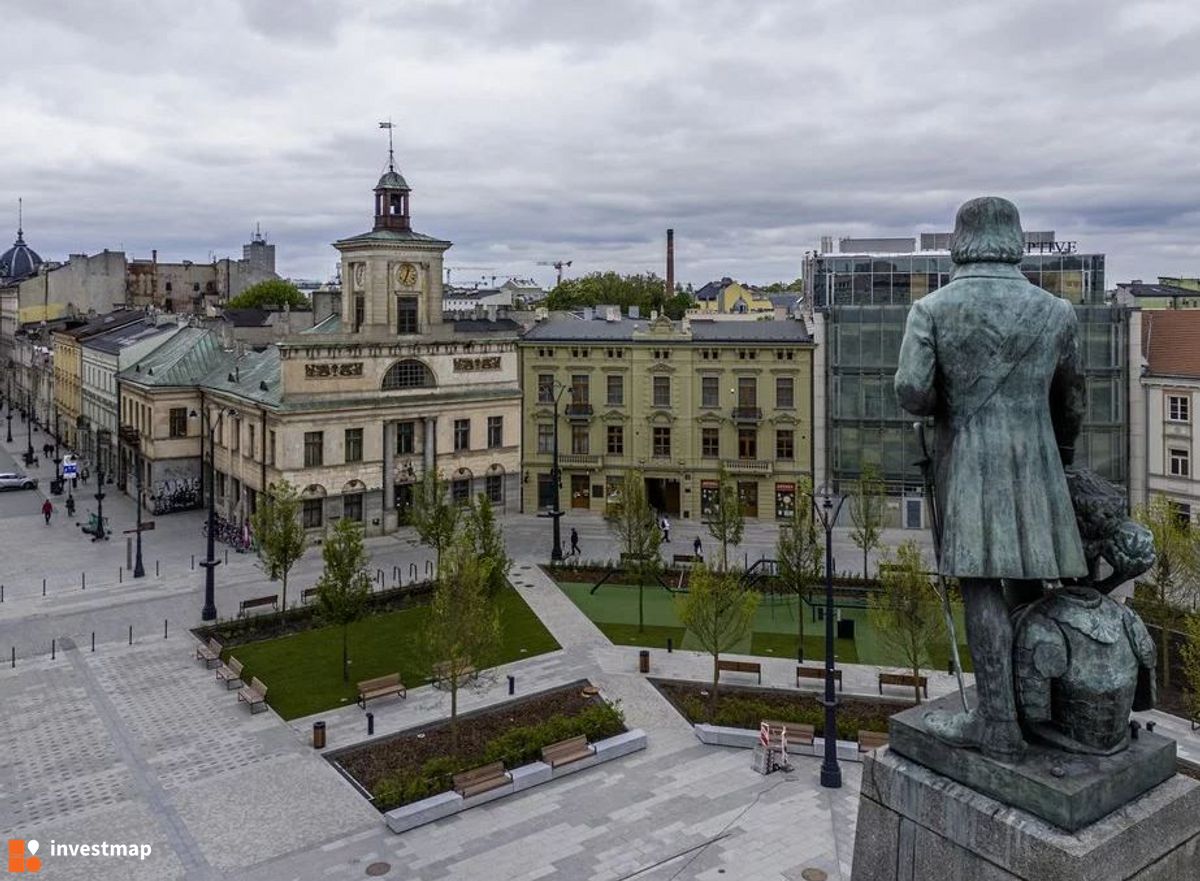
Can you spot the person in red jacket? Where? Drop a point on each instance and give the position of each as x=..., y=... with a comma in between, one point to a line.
x=47, y=510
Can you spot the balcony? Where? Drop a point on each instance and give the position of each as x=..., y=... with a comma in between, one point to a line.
x=747, y=415
x=579, y=411
x=578, y=460
x=746, y=466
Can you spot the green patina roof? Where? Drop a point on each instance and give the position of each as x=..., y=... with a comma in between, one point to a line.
x=332, y=324
x=250, y=373
x=184, y=358
x=392, y=180
x=393, y=235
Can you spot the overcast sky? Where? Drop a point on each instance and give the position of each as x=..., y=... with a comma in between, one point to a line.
x=539, y=130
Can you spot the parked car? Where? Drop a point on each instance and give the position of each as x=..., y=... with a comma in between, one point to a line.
x=12, y=480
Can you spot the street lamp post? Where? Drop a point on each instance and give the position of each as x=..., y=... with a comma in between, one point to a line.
x=134, y=439
x=99, y=533
x=555, y=514
x=8, y=397
x=209, y=612
x=29, y=429
x=831, y=772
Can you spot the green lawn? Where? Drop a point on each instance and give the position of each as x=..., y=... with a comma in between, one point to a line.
x=303, y=672
x=651, y=636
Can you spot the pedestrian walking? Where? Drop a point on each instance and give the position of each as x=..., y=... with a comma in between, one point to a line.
x=574, y=542
x=666, y=529
x=47, y=510
x=698, y=549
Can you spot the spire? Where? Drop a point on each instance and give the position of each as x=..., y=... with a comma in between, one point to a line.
x=391, y=154
x=20, y=218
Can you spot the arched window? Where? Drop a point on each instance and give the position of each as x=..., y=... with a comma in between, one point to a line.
x=407, y=374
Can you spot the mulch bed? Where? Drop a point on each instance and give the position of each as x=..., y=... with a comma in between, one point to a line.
x=742, y=707
x=411, y=749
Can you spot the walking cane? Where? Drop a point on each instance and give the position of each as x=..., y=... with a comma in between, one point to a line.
x=926, y=466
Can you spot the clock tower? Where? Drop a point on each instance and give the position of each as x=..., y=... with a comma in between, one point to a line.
x=392, y=275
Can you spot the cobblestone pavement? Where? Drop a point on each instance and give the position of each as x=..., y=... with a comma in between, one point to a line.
x=139, y=743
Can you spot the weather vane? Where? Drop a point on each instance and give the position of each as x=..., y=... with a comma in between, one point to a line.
x=391, y=157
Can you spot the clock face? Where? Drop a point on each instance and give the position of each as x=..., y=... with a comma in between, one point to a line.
x=406, y=274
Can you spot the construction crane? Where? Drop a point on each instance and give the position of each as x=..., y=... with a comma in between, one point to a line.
x=460, y=268
x=557, y=264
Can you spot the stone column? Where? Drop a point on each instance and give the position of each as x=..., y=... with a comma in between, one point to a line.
x=430, y=443
x=389, y=476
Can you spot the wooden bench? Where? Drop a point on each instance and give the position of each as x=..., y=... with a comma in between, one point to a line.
x=817, y=673
x=904, y=679
x=210, y=653
x=441, y=673
x=679, y=559
x=254, y=694
x=566, y=751
x=230, y=672
x=481, y=779
x=307, y=594
x=740, y=667
x=869, y=740
x=796, y=732
x=380, y=686
x=258, y=603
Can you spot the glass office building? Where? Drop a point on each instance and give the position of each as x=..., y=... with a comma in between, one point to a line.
x=864, y=291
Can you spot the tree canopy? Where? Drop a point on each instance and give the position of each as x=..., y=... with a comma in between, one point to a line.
x=779, y=287
x=906, y=613
x=272, y=292
x=718, y=611
x=281, y=537
x=647, y=292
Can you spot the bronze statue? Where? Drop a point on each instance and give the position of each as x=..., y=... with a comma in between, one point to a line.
x=995, y=361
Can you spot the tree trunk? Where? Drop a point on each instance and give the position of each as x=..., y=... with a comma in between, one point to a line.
x=712, y=700
x=917, y=683
x=864, y=560
x=285, y=575
x=641, y=614
x=800, y=623
x=345, y=654
x=454, y=714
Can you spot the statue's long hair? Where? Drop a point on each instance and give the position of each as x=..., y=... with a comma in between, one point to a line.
x=988, y=230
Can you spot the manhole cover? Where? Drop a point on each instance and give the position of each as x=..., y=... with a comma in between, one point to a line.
x=813, y=875
x=376, y=869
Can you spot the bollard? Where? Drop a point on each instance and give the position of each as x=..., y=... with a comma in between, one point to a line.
x=193, y=562
x=1, y=593
x=156, y=568
x=131, y=634
x=164, y=628
x=43, y=587
x=83, y=581
x=318, y=735
x=53, y=648
x=370, y=724
x=227, y=556
x=512, y=684
x=14, y=657
x=120, y=575
x=93, y=640
x=670, y=645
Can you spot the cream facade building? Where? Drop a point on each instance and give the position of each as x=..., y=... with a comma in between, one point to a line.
x=354, y=410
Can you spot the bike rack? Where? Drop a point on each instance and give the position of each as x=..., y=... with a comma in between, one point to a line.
x=412, y=573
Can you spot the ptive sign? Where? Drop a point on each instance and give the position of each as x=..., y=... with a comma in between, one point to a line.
x=70, y=469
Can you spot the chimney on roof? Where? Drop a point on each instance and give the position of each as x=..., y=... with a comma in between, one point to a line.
x=670, y=283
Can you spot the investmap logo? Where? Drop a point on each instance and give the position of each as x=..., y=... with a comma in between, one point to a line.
x=22, y=856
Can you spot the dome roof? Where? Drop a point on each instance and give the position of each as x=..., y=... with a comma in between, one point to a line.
x=20, y=261
x=392, y=180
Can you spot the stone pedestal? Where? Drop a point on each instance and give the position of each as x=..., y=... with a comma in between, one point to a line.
x=916, y=824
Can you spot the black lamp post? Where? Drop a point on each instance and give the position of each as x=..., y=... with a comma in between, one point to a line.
x=209, y=612
x=29, y=428
x=8, y=397
x=827, y=511
x=555, y=514
x=99, y=533
x=139, y=571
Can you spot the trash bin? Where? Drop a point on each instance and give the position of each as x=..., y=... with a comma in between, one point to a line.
x=318, y=735
x=644, y=661
x=56, y=487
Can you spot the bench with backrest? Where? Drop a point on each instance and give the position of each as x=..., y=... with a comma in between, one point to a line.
x=740, y=667
x=230, y=672
x=254, y=694
x=869, y=740
x=817, y=673
x=380, y=686
x=307, y=594
x=796, y=732
x=255, y=603
x=482, y=779
x=566, y=751
x=680, y=559
x=904, y=679
x=209, y=652
x=441, y=673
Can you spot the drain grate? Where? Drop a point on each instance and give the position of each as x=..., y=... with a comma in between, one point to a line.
x=376, y=869
x=813, y=875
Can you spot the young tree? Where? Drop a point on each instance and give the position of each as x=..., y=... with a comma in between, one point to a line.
x=488, y=539
x=281, y=538
x=1172, y=578
x=434, y=516
x=719, y=611
x=632, y=519
x=272, y=292
x=906, y=613
x=867, y=509
x=345, y=585
x=463, y=629
x=800, y=552
x=1190, y=655
x=726, y=523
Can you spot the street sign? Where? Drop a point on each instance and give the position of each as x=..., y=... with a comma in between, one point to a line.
x=70, y=469
x=146, y=527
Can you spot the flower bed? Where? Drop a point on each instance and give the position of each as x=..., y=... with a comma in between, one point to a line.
x=740, y=707
x=417, y=763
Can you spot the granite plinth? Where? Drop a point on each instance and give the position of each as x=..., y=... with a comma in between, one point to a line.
x=1067, y=789
x=916, y=824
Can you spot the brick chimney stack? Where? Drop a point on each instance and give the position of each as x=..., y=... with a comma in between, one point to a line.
x=670, y=283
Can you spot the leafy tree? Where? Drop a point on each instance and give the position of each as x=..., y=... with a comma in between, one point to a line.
x=1171, y=581
x=719, y=611
x=1190, y=655
x=632, y=519
x=488, y=539
x=647, y=292
x=272, y=292
x=463, y=628
x=281, y=538
x=778, y=287
x=906, y=613
x=868, y=505
x=345, y=585
x=727, y=522
x=434, y=515
x=800, y=552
